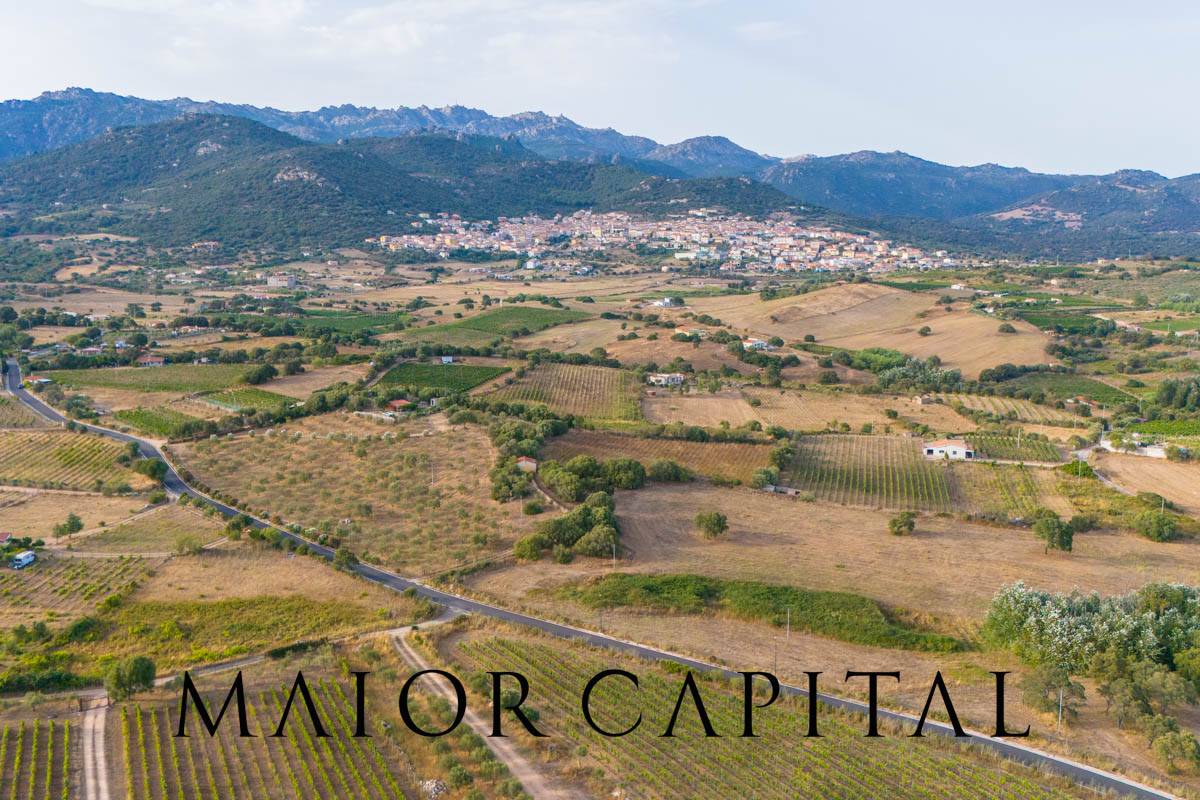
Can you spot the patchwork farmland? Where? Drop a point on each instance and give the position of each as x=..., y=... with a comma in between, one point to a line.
x=719, y=460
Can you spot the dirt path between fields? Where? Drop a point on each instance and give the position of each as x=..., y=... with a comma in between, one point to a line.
x=95, y=765
x=535, y=782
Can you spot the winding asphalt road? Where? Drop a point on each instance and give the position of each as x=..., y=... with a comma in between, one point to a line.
x=1007, y=748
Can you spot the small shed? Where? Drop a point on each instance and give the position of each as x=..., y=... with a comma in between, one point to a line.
x=952, y=449
x=527, y=464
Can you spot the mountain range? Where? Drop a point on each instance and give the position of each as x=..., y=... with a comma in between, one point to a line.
x=988, y=207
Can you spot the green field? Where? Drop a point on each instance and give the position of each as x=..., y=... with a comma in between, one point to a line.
x=344, y=322
x=1061, y=386
x=169, y=378
x=35, y=759
x=1168, y=427
x=454, y=377
x=504, y=322
x=878, y=471
x=161, y=421
x=838, y=615
x=1058, y=321
x=1172, y=325
x=249, y=398
x=779, y=764
x=1012, y=448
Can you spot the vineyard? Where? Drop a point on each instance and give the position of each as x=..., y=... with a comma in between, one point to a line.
x=413, y=502
x=156, y=532
x=162, y=422
x=35, y=760
x=1169, y=428
x=722, y=460
x=58, y=459
x=482, y=329
x=169, y=378
x=779, y=763
x=1062, y=386
x=452, y=377
x=1013, y=448
x=1011, y=408
x=247, y=399
x=298, y=765
x=14, y=414
x=584, y=391
x=65, y=587
x=878, y=471
x=998, y=490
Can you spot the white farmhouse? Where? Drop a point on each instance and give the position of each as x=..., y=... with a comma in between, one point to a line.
x=952, y=449
x=665, y=379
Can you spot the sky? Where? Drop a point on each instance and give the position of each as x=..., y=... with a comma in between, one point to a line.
x=1053, y=85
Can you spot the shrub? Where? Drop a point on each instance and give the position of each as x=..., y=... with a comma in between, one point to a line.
x=533, y=507
x=598, y=542
x=1156, y=526
x=667, y=471
x=903, y=523
x=530, y=546
x=1006, y=327
x=711, y=524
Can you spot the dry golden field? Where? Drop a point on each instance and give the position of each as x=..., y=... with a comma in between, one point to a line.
x=950, y=568
x=35, y=512
x=662, y=351
x=314, y=379
x=1021, y=410
x=963, y=339
x=577, y=337
x=813, y=410
x=697, y=408
x=727, y=460
x=1178, y=482
x=155, y=532
x=420, y=503
x=61, y=587
x=14, y=414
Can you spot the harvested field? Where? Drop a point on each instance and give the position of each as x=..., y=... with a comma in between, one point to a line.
x=951, y=567
x=662, y=351
x=34, y=513
x=314, y=379
x=61, y=587
x=14, y=414
x=1011, y=407
x=839, y=311
x=158, y=531
x=418, y=503
x=585, y=391
x=963, y=339
x=709, y=410
x=60, y=459
x=1178, y=482
x=875, y=471
x=577, y=337
x=815, y=409
x=722, y=460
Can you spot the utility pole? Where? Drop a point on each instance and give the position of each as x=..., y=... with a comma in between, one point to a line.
x=1060, y=699
x=614, y=556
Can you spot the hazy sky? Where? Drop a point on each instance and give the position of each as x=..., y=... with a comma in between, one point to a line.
x=1052, y=85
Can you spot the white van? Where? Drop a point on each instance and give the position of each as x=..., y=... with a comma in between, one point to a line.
x=22, y=560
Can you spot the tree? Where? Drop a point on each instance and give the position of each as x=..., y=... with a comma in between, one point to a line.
x=1050, y=528
x=125, y=678
x=711, y=524
x=1043, y=687
x=1006, y=327
x=1175, y=748
x=344, y=559
x=72, y=524
x=1156, y=526
x=924, y=330
x=259, y=374
x=188, y=545
x=903, y=523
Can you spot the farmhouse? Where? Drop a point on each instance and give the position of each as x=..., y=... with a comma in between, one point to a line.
x=399, y=404
x=281, y=281
x=953, y=449
x=151, y=360
x=527, y=464
x=665, y=379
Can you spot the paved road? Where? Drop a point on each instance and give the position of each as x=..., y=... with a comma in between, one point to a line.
x=1075, y=771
